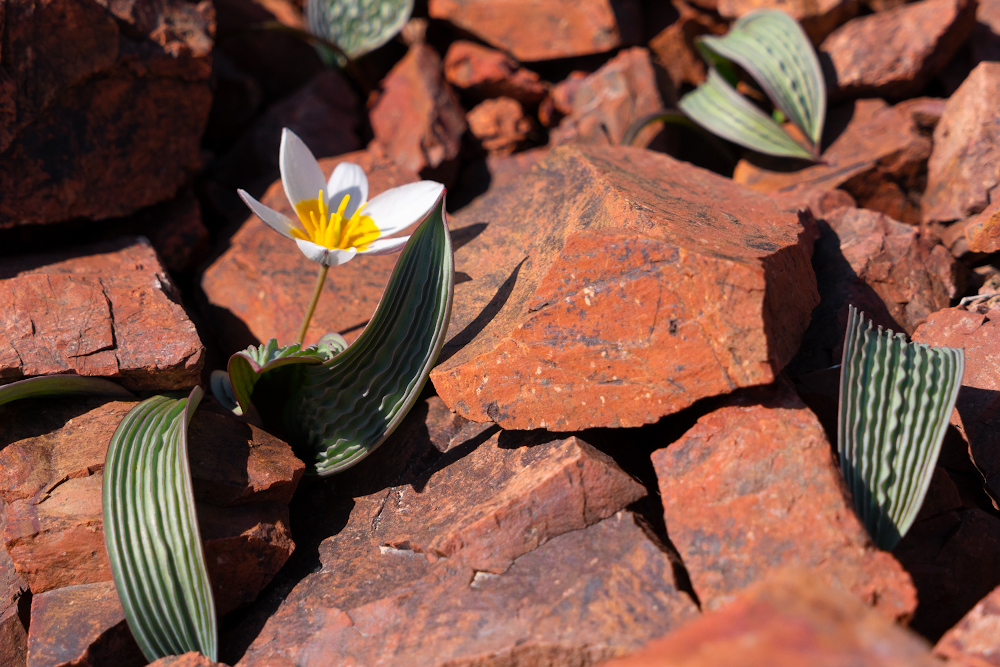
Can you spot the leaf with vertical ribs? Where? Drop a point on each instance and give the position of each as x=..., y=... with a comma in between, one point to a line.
x=151, y=531
x=56, y=385
x=357, y=26
x=896, y=399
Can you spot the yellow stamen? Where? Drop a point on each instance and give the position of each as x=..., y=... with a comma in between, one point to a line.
x=332, y=230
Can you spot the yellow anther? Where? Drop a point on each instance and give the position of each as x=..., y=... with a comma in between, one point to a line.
x=332, y=230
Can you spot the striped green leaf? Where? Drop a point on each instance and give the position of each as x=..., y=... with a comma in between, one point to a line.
x=357, y=26
x=151, y=531
x=54, y=385
x=337, y=411
x=772, y=47
x=716, y=106
x=895, y=402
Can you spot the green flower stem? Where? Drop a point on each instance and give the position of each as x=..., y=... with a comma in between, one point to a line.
x=320, y=279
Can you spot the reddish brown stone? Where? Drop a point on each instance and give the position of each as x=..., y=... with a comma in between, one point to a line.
x=560, y=99
x=925, y=111
x=674, y=47
x=895, y=53
x=81, y=625
x=610, y=100
x=984, y=43
x=818, y=18
x=53, y=462
x=533, y=30
x=488, y=73
x=500, y=124
x=977, y=413
x=14, y=599
x=963, y=169
x=611, y=286
x=100, y=120
x=260, y=286
x=973, y=642
x=584, y=596
x=417, y=118
x=878, y=145
x=788, y=620
x=754, y=487
x=982, y=232
x=191, y=659
x=112, y=311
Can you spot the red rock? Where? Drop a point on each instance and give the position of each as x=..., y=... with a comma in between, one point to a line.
x=789, y=619
x=560, y=99
x=417, y=118
x=925, y=111
x=488, y=73
x=176, y=230
x=81, y=625
x=102, y=310
x=674, y=47
x=754, y=487
x=14, y=602
x=984, y=43
x=260, y=286
x=977, y=410
x=609, y=309
x=500, y=124
x=895, y=53
x=973, y=642
x=963, y=170
x=610, y=100
x=818, y=19
x=584, y=596
x=123, y=108
x=982, y=232
x=879, y=146
x=531, y=30
x=192, y=659
x=52, y=473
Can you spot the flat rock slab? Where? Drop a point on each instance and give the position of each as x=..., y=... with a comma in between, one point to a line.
x=977, y=410
x=260, y=286
x=52, y=461
x=584, y=596
x=973, y=642
x=873, y=146
x=611, y=286
x=893, y=54
x=964, y=168
x=108, y=310
x=533, y=30
x=789, y=619
x=754, y=487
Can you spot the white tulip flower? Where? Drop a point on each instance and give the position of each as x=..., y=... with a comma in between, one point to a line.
x=335, y=219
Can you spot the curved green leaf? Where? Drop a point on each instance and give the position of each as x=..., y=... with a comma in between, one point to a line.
x=895, y=402
x=151, y=531
x=49, y=385
x=357, y=26
x=772, y=47
x=716, y=106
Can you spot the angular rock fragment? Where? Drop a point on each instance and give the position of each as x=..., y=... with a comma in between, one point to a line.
x=52, y=467
x=754, y=487
x=895, y=53
x=963, y=170
x=15, y=600
x=532, y=30
x=982, y=232
x=818, y=18
x=127, y=88
x=973, y=642
x=499, y=124
x=790, y=618
x=611, y=286
x=582, y=597
x=192, y=659
x=107, y=310
x=878, y=156
x=260, y=286
x=610, y=100
x=674, y=47
x=489, y=73
x=417, y=118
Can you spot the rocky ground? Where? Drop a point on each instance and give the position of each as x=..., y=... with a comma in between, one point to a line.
x=624, y=452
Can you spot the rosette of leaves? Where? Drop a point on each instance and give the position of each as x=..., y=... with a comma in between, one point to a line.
x=896, y=399
x=357, y=26
x=773, y=49
x=337, y=403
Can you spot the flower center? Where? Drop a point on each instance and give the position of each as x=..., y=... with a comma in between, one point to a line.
x=332, y=230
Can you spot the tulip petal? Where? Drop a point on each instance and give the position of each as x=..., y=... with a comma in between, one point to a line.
x=279, y=222
x=318, y=253
x=347, y=179
x=300, y=172
x=385, y=246
x=398, y=208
